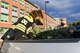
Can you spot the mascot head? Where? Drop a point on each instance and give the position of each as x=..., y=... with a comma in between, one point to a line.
x=37, y=16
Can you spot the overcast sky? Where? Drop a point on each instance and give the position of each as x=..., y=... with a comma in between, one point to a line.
x=61, y=8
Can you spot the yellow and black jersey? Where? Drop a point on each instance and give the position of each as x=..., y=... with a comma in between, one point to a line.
x=19, y=28
x=24, y=23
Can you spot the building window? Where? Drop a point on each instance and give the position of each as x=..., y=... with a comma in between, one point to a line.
x=27, y=13
x=22, y=2
x=21, y=11
x=33, y=8
x=3, y=30
x=14, y=8
x=27, y=6
x=15, y=0
x=4, y=5
x=4, y=17
x=14, y=19
x=14, y=11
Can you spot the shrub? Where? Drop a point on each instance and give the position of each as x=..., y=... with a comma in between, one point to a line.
x=54, y=34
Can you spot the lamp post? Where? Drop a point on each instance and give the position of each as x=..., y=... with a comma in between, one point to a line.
x=46, y=11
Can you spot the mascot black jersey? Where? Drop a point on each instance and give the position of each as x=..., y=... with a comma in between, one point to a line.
x=19, y=28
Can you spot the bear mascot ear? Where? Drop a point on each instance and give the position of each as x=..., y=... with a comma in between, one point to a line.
x=37, y=16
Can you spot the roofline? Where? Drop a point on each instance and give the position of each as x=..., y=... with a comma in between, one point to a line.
x=31, y=3
x=50, y=16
